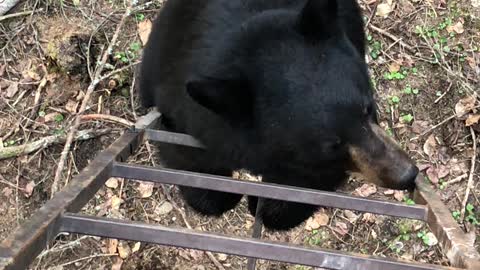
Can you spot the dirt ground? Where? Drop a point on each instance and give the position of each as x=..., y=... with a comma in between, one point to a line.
x=424, y=59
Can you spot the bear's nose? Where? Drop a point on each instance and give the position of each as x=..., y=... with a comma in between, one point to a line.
x=407, y=180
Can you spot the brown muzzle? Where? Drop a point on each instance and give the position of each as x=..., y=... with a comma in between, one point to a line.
x=381, y=160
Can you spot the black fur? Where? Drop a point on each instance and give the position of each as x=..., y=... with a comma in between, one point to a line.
x=278, y=87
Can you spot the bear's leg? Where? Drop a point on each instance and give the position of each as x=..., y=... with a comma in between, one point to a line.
x=281, y=215
x=207, y=202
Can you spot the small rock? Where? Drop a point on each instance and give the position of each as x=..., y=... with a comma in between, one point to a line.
x=222, y=257
x=163, y=209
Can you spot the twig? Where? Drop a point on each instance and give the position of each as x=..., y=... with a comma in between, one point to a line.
x=107, y=117
x=86, y=99
x=470, y=177
x=444, y=93
x=36, y=103
x=15, y=151
x=392, y=37
x=116, y=71
x=434, y=127
x=13, y=15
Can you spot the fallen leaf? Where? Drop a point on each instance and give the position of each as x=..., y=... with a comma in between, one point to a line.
x=144, y=29
x=71, y=106
x=163, y=209
x=394, y=67
x=112, y=183
x=432, y=174
x=12, y=90
x=7, y=192
x=50, y=117
x=442, y=171
x=341, y=228
x=457, y=28
x=366, y=190
x=471, y=61
x=117, y=264
x=115, y=202
x=374, y=234
x=430, y=239
x=145, y=189
x=28, y=190
x=399, y=195
x=419, y=126
x=196, y=254
x=384, y=9
x=222, y=257
x=136, y=247
x=475, y=3
x=112, y=245
x=350, y=215
x=368, y=217
x=389, y=192
x=315, y=222
x=123, y=250
x=465, y=105
x=472, y=119
x=430, y=146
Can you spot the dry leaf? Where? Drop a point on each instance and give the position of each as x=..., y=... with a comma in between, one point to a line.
x=144, y=29
x=115, y=202
x=112, y=245
x=222, y=257
x=351, y=216
x=315, y=222
x=28, y=190
x=7, y=192
x=394, y=67
x=430, y=239
x=71, y=106
x=123, y=250
x=471, y=61
x=432, y=174
x=472, y=119
x=136, y=247
x=368, y=217
x=51, y=117
x=419, y=126
x=389, y=192
x=117, y=265
x=112, y=183
x=366, y=190
x=163, y=209
x=341, y=228
x=430, y=146
x=384, y=9
x=398, y=195
x=12, y=90
x=196, y=254
x=465, y=105
x=457, y=28
x=145, y=189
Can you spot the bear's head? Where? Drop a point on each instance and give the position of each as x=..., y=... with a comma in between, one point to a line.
x=294, y=85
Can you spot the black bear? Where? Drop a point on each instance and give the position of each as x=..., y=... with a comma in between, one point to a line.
x=277, y=87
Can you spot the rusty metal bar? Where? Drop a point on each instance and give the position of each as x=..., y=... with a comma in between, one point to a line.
x=172, y=138
x=455, y=244
x=247, y=247
x=267, y=190
x=21, y=248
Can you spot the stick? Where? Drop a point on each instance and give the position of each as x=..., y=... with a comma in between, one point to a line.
x=107, y=117
x=392, y=37
x=444, y=93
x=25, y=149
x=9, y=16
x=470, y=177
x=86, y=99
x=434, y=127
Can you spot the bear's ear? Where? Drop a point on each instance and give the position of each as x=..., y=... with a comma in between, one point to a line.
x=319, y=19
x=231, y=99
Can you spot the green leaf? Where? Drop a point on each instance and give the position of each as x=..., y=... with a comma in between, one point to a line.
x=407, y=118
x=58, y=118
x=415, y=91
x=469, y=207
x=395, y=99
x=41, y=113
